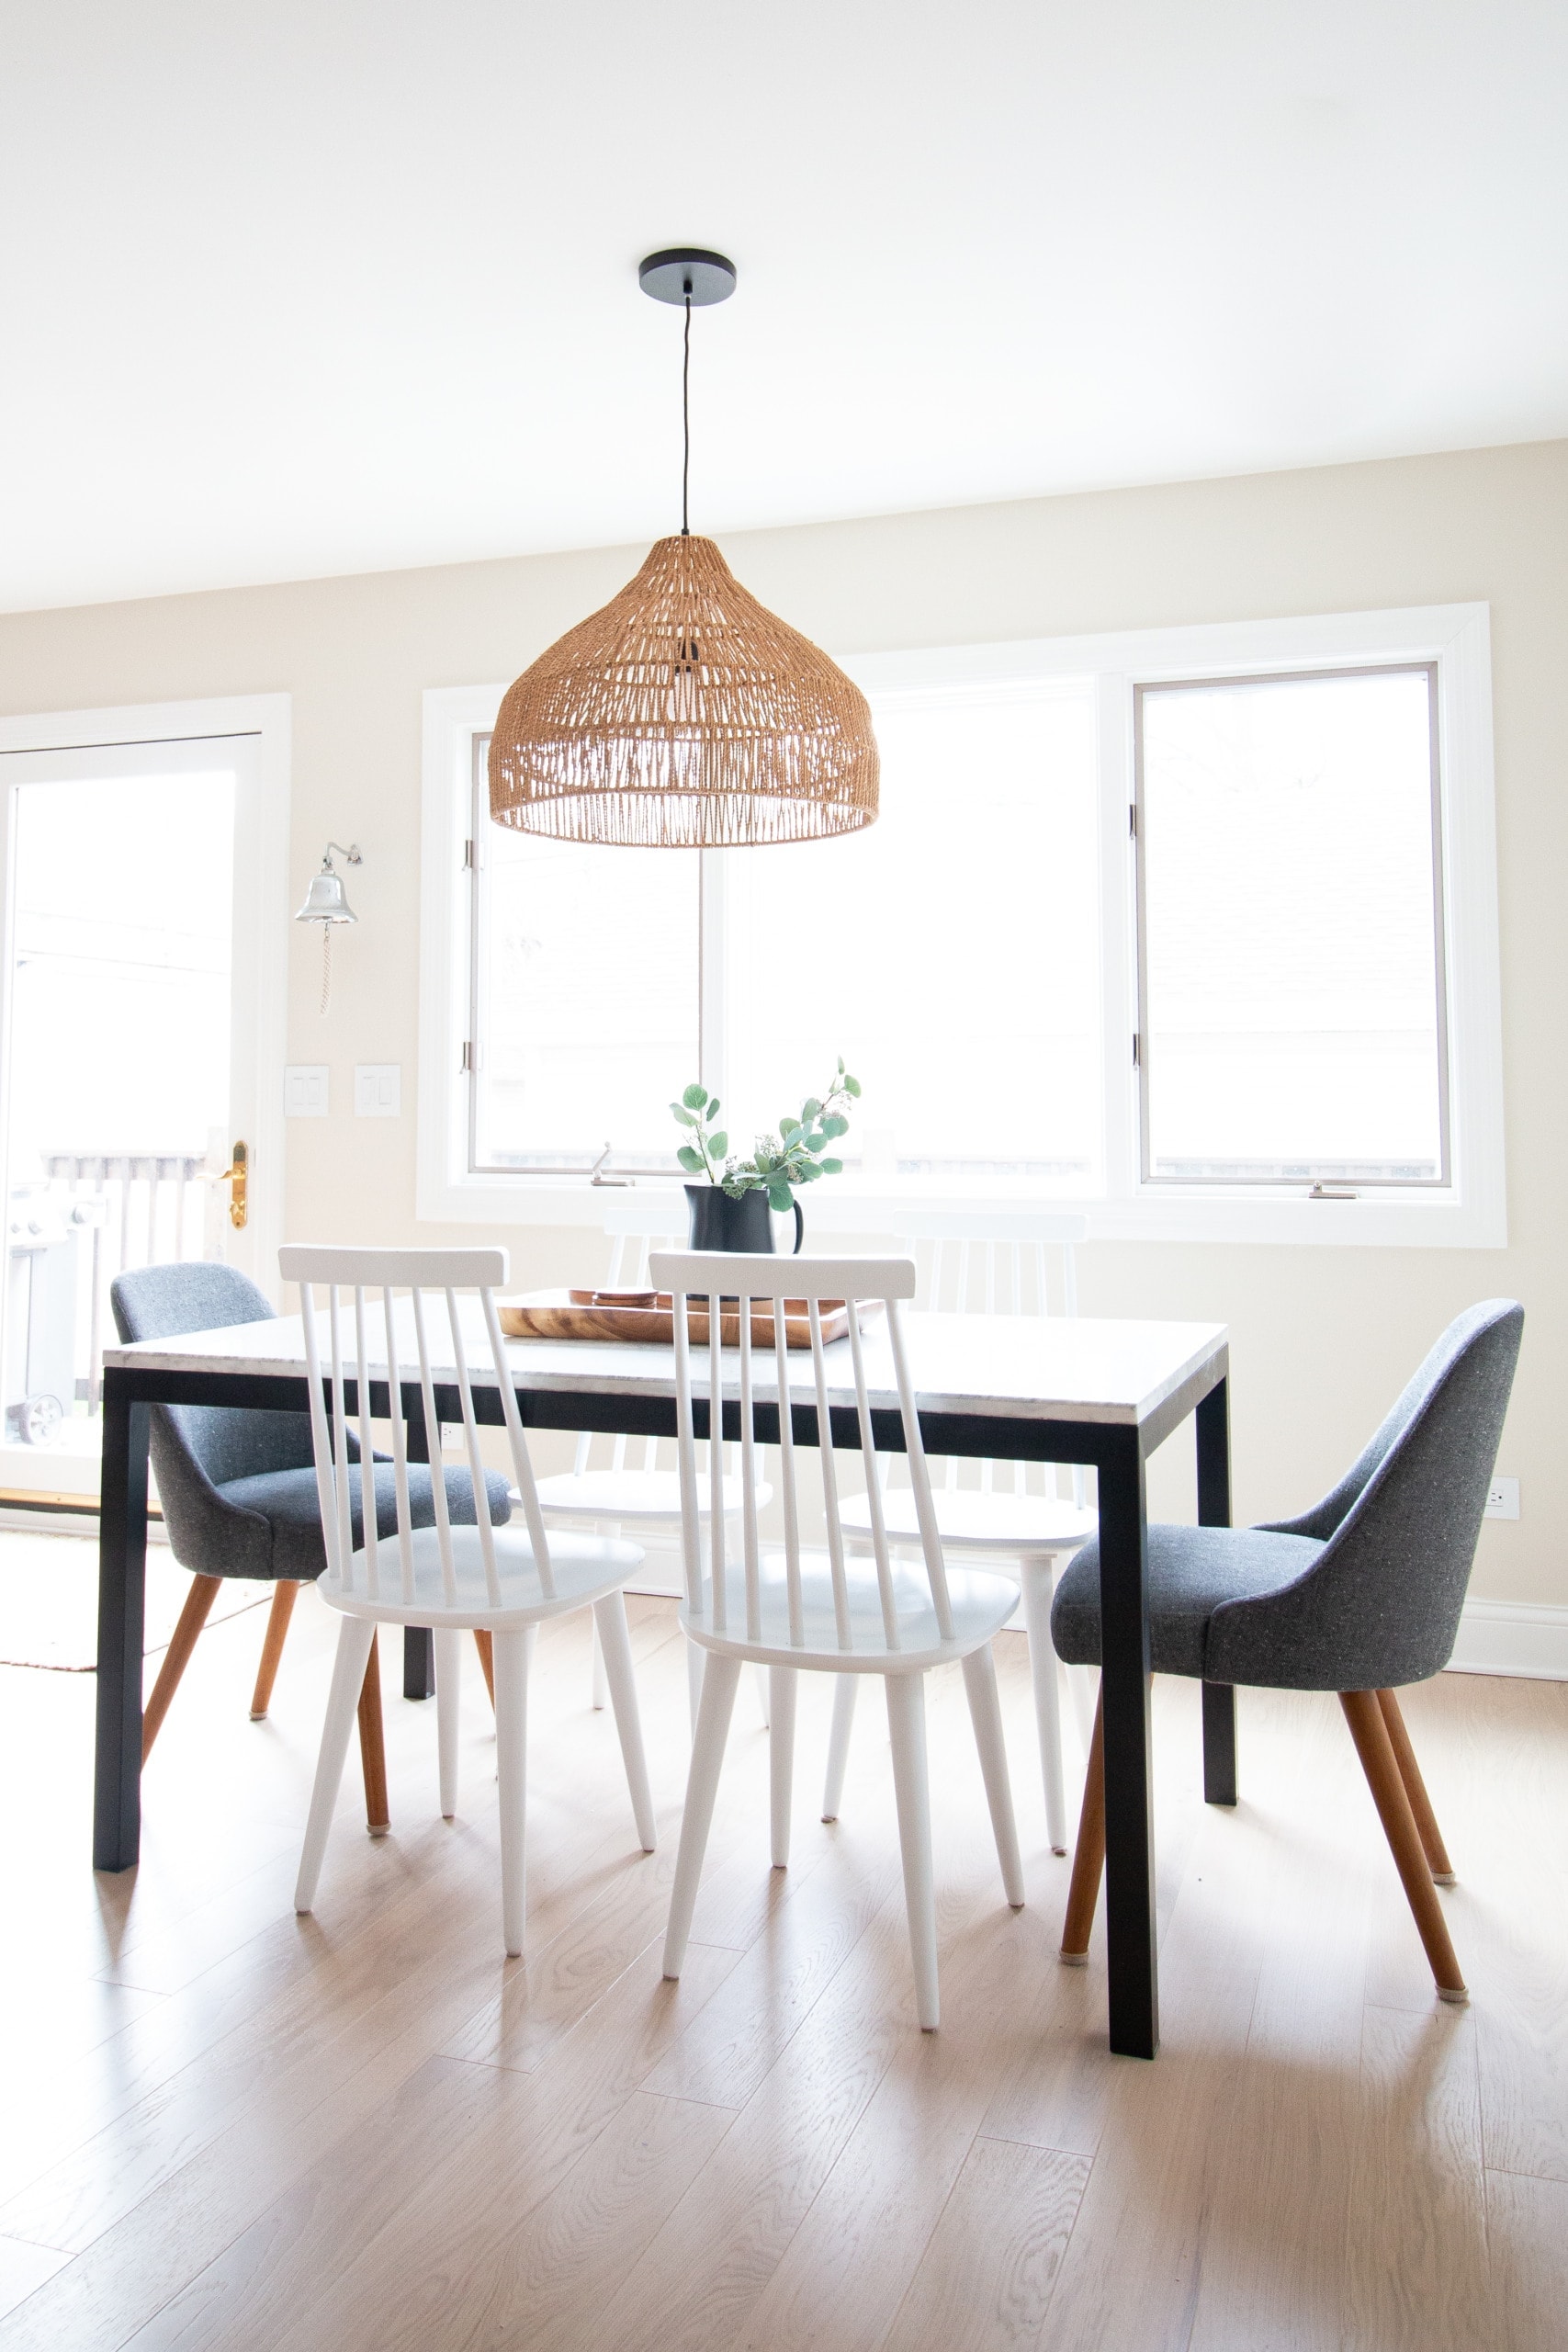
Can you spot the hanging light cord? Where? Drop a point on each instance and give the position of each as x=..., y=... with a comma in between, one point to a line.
x=686, y=419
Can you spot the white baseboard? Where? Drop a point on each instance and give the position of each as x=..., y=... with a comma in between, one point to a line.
x=1495, y=1636
x=1507, y=1638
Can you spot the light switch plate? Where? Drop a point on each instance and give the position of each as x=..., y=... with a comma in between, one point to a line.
x=378, y=1090
x=305, y=1090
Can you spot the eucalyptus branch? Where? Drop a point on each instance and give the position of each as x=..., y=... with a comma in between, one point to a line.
x=796, y=1156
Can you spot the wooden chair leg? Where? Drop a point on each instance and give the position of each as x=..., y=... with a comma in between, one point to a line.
x=177, y=1657
x=372, y=1749
x=486, y=1649
x=846, y=1690
x=284, y=1597
x=1088, y=1854
x=1379, y=1763
x=1432, y=1844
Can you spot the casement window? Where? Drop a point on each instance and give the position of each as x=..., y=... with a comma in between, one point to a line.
x=1195, y=928
x=1293, y=1021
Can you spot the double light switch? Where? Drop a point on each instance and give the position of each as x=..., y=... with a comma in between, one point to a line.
x=378, y=1090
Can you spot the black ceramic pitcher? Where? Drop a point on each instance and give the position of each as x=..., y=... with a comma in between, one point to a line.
x=721, y=1223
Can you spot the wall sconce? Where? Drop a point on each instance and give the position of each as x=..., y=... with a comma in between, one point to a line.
x=326, y=903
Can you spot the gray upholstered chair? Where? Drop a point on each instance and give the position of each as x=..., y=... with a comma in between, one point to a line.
x=1358, y=1595
x=238, y=1493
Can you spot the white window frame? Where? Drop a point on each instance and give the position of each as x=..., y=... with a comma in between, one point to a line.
x=1469, y=1212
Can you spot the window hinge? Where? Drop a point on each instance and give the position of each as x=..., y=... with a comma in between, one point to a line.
x=1135, y=1052
x=469, y=858
x=473, y=1055
x=1132, y=820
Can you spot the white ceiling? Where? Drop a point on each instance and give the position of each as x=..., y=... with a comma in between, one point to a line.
x=319, y=285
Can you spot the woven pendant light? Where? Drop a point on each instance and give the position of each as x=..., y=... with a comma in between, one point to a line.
x=684, y=715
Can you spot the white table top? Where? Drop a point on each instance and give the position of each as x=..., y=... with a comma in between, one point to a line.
x=1017, y=1367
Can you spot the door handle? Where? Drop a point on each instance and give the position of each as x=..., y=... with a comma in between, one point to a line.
x=234, y=1176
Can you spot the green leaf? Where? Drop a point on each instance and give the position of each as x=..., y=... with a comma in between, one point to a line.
x=692, y=1161
x=831, y=1168
x=835, y=1124
x=814, y=1140
x=712, y=1111
x=780, y=1197
x=718, y=1145
x=840, y=1064
x=788, y=1126
x=852, y=1086
x=810, y=1107
x=694, y=1097
x=684, y=1116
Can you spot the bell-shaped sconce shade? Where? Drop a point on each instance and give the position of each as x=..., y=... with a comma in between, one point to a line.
x=325, y=900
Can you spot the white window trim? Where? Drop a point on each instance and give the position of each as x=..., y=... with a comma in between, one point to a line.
x=1470, y=1213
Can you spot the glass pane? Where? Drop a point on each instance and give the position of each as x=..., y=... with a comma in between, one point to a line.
x=120, y=1051
x=950, y=952
x=588, y=1002
x=1292, y=1025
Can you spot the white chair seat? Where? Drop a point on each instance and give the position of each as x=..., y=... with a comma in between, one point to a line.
x=981, y=1606
x=585, y=1568
x=650, y=1494
x=971, y=1520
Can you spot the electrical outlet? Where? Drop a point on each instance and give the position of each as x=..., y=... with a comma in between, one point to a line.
x=1503, y=1499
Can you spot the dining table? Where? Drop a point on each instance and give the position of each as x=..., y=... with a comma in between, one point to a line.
x=1100, y=1392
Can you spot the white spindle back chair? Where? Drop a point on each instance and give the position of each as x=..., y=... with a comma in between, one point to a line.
x=634, y=1494
x=463, y=1573
x=815, y=1611
x=990, y=1262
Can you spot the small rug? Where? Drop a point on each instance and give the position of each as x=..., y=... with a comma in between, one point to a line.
x=49, y=1601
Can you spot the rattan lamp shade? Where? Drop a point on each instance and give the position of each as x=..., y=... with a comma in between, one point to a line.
x=683, y=715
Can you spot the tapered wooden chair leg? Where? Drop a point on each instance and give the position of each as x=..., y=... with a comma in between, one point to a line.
x=486, y=1649
x=720, y=1677
x=985, y=1715
x=372, y=1751
x=1381, y=1766
x=615, y=1648
x=177, y=1657
x=284, y=1597
x=1088, y=1854
x=1038, y=1580
x=783, y=1684
x=354, y=1646
x=911, y=1791
x=846, y=1690
x=514, y=1655
x=448, y=1713
x=1432, y=1844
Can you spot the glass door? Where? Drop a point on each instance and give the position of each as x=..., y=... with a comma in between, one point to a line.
x=128, y=1093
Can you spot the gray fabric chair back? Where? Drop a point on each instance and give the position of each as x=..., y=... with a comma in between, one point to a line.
x=223, y=1441
x=1380, y=1604
x=197, y=1449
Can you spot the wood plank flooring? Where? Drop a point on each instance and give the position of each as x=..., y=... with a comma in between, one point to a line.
x=225, y=2127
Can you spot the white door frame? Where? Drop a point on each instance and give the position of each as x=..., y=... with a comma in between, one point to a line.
x=261, y=910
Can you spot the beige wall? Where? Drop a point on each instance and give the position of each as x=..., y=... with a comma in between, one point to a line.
x=1322, y=1338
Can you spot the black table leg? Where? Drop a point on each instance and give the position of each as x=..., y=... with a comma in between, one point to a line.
x=1220, y=1782
x=1129, y=1811
x=418, y=1643
x=122, y=1582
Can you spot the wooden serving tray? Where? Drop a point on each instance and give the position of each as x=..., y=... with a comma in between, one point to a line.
x=649, y=1316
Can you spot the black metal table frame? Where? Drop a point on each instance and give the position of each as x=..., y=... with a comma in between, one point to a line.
x=1117, y=1451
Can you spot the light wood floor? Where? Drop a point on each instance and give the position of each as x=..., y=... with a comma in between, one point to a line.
x=225, y=2127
